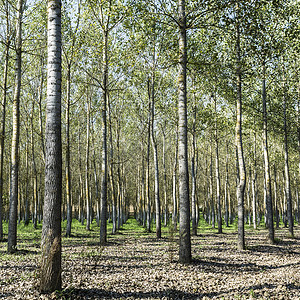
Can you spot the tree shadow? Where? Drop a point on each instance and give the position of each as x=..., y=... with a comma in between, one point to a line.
x=96, y=293
x=272, y=249
x=103, y=294
x=20, y=252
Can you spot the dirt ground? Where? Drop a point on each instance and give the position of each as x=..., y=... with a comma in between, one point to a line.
x=138, y=266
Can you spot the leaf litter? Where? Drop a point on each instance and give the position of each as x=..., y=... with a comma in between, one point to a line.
x=131, y=267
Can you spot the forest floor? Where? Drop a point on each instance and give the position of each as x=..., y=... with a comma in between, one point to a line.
x=136, y=265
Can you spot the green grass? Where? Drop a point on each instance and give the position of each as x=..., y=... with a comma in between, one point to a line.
x=28, y=234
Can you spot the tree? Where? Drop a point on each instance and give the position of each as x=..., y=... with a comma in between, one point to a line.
x=239, y=140
x=14, y=181
x=184, y=201
x=69, y=55
x=7, y=43
x=50, y=278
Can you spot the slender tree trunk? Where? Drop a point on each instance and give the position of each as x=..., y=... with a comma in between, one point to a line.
x=239, y=144
x=14, y=188
x=184, y=201
x=174, y=186
x=193, y=173
x=248, y=197
x=207, y=192
x=34, y=170
x=87, y=167
x=166, y=213
x=148, y=172
x=41, y=111
x=298, y=137
x=111, y=173
x=226, y=189
x=50, y=277
x=68, y=161
x=103, y=219
x=81, y=187
x=96, y=189
x=254, y=192
x=157, y=198
x=287, y=172
x=269, y=204
x=3, y=117
x=26, y=195
x=210, y=195
x=218, y=183
x=143, y=187
x=155, y=155
x=276, y=198
x=119, y=204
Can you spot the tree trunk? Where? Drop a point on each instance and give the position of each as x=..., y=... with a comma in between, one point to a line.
x=26, y=193
x=34, y=170
x=148, y=172
x=239, y=144
x=275, y=198
x=155, y=153
x=193, y=172
x=226, y=189
x=254, y=192
x=218, y=194
x=87, y=167
x=50, y=277
x=298, y=141
x=81, y=186
x=184, y=201
x=68, y=161
x=269, y=204
x=103, y=219
x=174, y=186
x=14, y=185
x=3, y=118
x=119, y=205
x=165, y=180
x=210, y=195
x=287, y=172
x=111, y=173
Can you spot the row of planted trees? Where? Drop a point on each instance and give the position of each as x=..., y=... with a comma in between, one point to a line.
x=167, y=130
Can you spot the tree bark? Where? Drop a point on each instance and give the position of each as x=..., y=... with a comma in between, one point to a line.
x=50, y=277
x=254, y=192
x=14, y=179
x=184, y=201
x=287, y=171
x=239, y=144
x=87, y=166
x=103, y=219
x=226, y=189
x=155, y=155
x=3, y=117
x=111, y=173
x=166, y=212
x=174, y=186
x=269, y=204
x=218, y=183
x=193, y=172
x=68, y=161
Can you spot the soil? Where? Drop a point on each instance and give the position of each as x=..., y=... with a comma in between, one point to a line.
x=139, y=266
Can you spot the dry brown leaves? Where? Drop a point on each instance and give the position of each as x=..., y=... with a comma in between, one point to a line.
x=147, y=268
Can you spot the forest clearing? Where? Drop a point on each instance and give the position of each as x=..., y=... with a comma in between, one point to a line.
x=136, y=265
